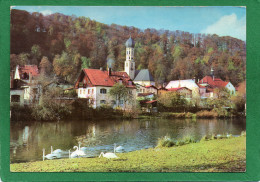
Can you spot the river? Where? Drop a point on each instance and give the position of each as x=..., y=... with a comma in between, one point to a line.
x=27, y=140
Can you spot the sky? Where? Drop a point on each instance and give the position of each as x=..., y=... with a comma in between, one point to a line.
x=223, y=21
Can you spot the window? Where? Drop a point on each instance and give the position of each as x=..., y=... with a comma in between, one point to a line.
x=92, y=91
x=121, y=102
x=129, y=82
x=126, y=64
x=15, y=98
x=83, y=91
x=120, y=81
x=88, y=91
x=102, y=102
x=103, y=91
x=80, y=91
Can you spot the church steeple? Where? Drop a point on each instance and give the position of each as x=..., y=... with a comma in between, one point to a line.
x=129, y=63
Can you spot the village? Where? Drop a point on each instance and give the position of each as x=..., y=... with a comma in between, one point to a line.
x=95, y=86
x=135, y=95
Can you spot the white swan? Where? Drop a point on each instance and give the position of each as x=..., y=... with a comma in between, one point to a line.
x=57, y=151
x=82, y=148
x=118, y=148
x=77, y=152
x=51, y=155
x=108, y=155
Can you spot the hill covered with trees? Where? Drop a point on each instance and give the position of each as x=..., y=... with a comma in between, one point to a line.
x=63, y=45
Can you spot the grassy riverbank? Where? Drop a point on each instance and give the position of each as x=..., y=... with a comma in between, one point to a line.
x=220, y=155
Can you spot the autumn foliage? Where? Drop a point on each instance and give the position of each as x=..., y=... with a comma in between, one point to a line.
x=70, y=43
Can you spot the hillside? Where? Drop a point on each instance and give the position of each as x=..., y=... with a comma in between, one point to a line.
x=63, y=45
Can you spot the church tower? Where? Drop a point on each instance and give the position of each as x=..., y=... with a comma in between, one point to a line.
x=130, y=63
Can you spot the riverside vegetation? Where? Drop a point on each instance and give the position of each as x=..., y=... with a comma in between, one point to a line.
x=211, y=154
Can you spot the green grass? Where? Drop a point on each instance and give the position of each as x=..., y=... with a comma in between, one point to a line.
x=225, y=155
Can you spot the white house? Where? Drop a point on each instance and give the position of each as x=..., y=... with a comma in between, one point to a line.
x=190, y=84
x=23, y=88
x=211, y=83
x=95, y=84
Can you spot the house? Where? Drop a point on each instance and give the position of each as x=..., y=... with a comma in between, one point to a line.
x=23, y=88
x=185, y=92
x=95, y=84
x=146, y=89
x=141, y=77
x=211, y=83
x=189, y=84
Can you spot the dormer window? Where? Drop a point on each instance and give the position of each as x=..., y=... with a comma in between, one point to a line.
x=130, y=82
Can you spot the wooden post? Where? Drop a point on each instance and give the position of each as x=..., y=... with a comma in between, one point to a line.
x=43, y=154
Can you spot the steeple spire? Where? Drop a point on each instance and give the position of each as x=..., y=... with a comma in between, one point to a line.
x=129, y=63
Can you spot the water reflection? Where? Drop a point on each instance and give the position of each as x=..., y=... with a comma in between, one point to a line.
x=27, y=141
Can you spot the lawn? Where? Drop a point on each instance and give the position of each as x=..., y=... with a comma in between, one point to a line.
x=219, y=155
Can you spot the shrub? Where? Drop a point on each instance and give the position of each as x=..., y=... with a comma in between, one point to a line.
x=207, y=114
x=188, y=139
x=165, y=141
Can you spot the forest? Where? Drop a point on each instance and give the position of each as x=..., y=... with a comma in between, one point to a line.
x=62, y=45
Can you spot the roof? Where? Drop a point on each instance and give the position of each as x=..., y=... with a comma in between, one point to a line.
x=200, y=86
x=33, y=69
x=148, y=86
x=144, y=75
x=101, y=78
x=190, y=84
x=217, y=82
x=150, y=102
x=130, y=43
x=178, y=88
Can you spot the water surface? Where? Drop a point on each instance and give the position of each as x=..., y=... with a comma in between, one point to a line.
x=28, y=139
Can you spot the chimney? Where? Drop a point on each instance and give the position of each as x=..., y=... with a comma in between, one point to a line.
x=109, y=72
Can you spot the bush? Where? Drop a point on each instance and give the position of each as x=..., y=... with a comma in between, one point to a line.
x=188, y=139
x=165, y=141
x=207, y=114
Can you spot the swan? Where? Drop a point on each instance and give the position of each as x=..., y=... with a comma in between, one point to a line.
x=108, y=155
x=118, y=148
x=77, y=152
x=57, y=151
x=50, y=156
x=82, y=148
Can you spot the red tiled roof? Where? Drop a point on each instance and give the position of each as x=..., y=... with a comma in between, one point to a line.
x=152, y=101
x=101, y=78
x=175, y=89
x=33, y=69
x=217, y=82
x=148, y=86
x=200, y=86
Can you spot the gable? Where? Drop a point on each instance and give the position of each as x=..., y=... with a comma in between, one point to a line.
x=95, y=77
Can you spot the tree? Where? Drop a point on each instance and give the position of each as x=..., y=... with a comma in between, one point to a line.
x=45, y=66
x=36, y=54
x=172, y=101
x=85, y=62
x=120, y=92
x=67, y=65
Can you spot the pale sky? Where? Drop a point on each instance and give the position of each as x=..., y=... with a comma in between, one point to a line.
x=223, y=21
